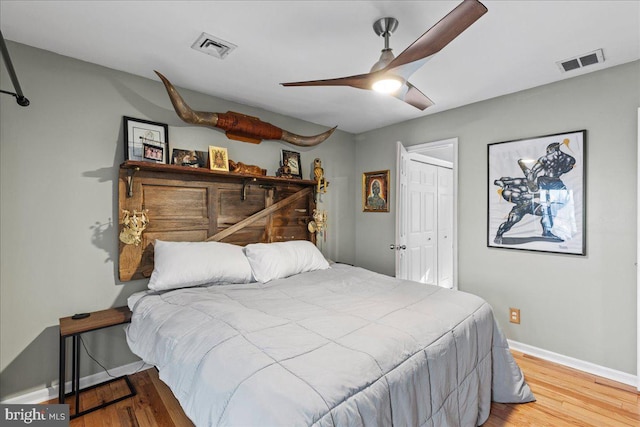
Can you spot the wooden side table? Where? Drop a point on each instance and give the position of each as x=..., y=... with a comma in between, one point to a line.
x=73, y=328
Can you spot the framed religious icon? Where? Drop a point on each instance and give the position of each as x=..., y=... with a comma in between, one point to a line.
x=292, y=160
x=375, y=191
x=146, y=141
x=536, y=194
x=218, y=158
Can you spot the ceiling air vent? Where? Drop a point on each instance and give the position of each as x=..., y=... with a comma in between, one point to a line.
x=213, y=46
x=590, y=58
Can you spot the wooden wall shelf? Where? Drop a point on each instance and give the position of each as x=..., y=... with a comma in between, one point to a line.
x=160, y=167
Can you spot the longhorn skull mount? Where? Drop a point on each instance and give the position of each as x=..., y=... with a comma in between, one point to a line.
x=238, y=126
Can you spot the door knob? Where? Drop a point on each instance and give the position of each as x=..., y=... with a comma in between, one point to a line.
x=403, y=247
x=392, y=246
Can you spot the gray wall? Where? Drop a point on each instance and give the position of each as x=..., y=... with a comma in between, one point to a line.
x=59, y=169
x=584, y=307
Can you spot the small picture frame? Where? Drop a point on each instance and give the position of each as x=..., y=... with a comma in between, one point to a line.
x=292, y=159
x=153, y=153
x=375, y=191
x=191, y=158
x=145, y=141
x=218, y=159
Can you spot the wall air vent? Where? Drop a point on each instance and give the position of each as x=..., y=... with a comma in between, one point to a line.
x=213, y=46
x=590, y=58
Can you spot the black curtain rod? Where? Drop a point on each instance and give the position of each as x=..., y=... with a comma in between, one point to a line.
x=20, y=98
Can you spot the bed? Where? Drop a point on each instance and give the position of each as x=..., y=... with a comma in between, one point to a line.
x=249, y=325
x=317, y=344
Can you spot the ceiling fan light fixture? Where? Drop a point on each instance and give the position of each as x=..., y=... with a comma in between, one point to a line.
x=387, y=84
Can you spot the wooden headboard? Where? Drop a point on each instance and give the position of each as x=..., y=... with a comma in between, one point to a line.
x=192, y=204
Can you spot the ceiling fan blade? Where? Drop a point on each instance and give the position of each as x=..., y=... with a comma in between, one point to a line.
x=414, y=97
x=441, y=34
x=360, y=81
x=407, y=70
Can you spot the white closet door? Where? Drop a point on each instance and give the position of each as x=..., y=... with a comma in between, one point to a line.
x=445, y=227
x=421, y=252
x=402, y=166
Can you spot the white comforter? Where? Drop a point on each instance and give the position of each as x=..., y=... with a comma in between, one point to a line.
x=343, y=346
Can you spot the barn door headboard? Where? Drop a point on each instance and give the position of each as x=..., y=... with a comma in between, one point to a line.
x=191, y=204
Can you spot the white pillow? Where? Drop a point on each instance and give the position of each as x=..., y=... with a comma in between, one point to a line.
x=270, y=261
x=184, y=264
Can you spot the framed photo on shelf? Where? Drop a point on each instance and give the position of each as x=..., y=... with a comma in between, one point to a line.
x=292, y=159
x=536, y=194
x=146, y=141
x=218, y=158
x=191, y=158
x=375, y=191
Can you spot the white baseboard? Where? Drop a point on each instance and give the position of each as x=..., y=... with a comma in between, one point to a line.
x=50, y=393
x=591, y=368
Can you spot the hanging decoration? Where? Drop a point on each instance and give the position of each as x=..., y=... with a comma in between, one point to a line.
x=133, y=225
x=319, y=223
x=238, y=126
x=318, y=174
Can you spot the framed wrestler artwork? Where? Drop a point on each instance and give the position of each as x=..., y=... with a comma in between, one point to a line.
x=536, y=194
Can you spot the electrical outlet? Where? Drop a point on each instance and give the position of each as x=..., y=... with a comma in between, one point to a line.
x=514, y=315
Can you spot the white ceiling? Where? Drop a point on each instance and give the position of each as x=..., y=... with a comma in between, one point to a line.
x=513, y=47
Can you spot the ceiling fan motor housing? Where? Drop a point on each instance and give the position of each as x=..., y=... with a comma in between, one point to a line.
x=385, y=57
x=384, y=27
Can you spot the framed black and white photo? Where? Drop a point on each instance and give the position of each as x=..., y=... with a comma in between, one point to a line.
x=536, y=194
x=146, y=141
x=292, y=159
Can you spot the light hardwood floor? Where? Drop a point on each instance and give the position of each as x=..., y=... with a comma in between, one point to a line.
x=565, y=397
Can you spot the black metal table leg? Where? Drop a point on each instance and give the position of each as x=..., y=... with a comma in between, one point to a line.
x=76, y=370
x=62, y=367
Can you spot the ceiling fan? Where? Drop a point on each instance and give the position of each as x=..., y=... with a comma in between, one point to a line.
x=390, y=74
